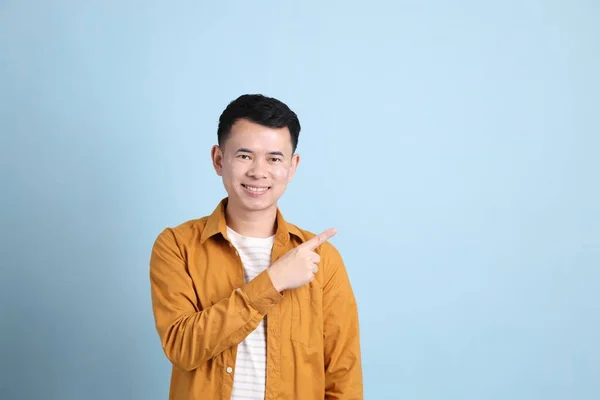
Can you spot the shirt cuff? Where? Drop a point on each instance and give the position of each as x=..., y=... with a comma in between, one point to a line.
x=261, y=293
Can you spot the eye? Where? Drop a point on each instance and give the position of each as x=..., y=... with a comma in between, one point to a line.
x=244, y=156
x=276, y=160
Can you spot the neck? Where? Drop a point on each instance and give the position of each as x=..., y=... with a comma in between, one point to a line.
x=256, y=224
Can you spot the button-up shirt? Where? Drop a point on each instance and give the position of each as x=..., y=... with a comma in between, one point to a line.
x=203, y=310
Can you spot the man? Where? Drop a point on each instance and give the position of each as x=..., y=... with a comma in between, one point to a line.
x=247, y=305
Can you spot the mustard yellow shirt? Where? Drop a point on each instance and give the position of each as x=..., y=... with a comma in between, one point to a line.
x=203, y=310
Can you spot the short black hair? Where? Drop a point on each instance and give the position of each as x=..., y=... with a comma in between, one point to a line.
x=266, y=111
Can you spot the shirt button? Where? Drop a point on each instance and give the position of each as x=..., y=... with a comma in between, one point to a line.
x=229, y=370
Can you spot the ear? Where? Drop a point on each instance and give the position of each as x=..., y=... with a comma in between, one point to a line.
x=216, y=154
x=295, y=162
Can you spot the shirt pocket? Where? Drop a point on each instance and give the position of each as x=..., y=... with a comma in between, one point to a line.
x=307, y=324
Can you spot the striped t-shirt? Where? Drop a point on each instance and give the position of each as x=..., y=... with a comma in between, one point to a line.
x=249, y=377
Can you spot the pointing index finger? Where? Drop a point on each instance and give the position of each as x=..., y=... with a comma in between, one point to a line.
x=321, y=238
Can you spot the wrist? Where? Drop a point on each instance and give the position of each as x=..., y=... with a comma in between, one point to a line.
x=275, y=280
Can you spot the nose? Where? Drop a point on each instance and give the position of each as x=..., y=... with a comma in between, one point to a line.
x=258, y=169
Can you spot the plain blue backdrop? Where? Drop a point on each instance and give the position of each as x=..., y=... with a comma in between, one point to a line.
x=455, y=146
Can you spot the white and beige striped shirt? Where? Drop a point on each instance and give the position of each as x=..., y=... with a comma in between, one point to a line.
x=249, y=377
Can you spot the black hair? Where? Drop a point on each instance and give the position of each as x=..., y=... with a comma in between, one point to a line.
x=266, y=111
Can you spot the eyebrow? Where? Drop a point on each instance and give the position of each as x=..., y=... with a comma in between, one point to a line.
x=272, y=153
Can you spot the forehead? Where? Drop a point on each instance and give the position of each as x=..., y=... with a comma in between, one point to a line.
x=258, y=137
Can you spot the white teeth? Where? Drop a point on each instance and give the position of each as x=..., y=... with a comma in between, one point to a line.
x=254, y=189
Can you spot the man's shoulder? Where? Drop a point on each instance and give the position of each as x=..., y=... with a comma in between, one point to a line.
x=327, y=249
x=185, y=231
x=192, y=224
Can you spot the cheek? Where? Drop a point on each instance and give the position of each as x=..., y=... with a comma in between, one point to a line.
x=233, y=171
x=281, y=174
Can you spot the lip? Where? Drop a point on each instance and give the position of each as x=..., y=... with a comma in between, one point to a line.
x=256, y=194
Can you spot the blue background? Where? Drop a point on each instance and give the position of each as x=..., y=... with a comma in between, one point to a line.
x=454, y=144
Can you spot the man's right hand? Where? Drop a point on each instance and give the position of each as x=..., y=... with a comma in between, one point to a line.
x=298, y=266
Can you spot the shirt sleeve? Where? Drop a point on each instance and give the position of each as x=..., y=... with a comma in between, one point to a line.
x=343, y=366
x=190, y=336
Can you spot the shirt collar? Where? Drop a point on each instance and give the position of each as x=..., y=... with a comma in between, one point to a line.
x=216, y=223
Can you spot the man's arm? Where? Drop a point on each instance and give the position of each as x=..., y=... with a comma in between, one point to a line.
x=191, y=336
x=343, y=366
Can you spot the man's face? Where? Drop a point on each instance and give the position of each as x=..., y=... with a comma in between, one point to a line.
x=256, y=164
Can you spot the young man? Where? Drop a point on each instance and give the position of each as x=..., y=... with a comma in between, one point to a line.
x=247, y=305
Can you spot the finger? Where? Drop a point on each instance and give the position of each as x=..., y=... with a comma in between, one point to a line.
x=314, y=257
x=319, y=239
x=315, y=269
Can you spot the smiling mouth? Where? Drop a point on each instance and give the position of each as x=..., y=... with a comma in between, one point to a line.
x=256, y=189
